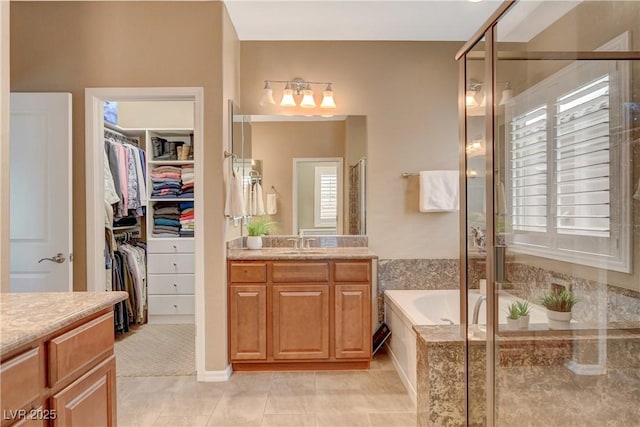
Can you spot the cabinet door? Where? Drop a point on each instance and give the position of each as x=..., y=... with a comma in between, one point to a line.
x=248, y=322
x=353, y=321
x=91, y=400
x=301, y=322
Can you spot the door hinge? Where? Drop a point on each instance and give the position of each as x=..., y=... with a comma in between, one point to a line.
x=71, y=257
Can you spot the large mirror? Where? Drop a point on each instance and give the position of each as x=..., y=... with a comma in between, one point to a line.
x=311, y=171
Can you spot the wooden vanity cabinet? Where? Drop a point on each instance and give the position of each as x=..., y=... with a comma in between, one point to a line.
x=302, y=314
x=64, y=379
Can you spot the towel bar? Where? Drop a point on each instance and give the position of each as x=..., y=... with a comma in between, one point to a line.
x=408, y=174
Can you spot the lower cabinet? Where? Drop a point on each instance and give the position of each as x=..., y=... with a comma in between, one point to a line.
x=297, y=315
x=301, y=322
x=66, y=379
x=352, y=320
x=248, y=315
x=91, y=397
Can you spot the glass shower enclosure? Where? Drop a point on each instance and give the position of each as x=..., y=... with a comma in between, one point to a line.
x=550, y=222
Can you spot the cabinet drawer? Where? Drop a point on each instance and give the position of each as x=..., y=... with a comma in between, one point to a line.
x=80, y=348
x=352, y=272
x=248, y=273
x=170, y=246
x=170, y=264
x=288, y=272
x=21, y=379
x=170, y=284
x=171, y=304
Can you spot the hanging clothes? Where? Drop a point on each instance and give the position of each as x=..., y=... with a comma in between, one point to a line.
x=127, y=165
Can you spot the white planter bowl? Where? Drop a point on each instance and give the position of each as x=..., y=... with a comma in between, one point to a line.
x=512, y=324
x=558, y=319
x=254, y=242
x=523, y=322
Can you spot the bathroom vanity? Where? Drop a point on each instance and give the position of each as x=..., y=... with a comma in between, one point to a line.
x=58, y=365
x=300, y=309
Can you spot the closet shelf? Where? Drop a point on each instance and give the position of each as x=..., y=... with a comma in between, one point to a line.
x=171, y=162
x=175, y=199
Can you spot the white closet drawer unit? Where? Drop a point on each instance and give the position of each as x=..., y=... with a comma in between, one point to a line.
x=170, y=264
x=170, y=284
x=171, y=304
x=170, y=246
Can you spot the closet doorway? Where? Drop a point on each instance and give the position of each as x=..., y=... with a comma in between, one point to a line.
x=169, y=157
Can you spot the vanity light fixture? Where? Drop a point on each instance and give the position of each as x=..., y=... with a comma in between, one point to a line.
x=473, y=88
x=294, y=88
x=507, y=94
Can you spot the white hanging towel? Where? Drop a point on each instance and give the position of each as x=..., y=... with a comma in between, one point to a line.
x=234, y=203
x=253, y=201
x=272, y=204
x=439, y=191
x=259, y=199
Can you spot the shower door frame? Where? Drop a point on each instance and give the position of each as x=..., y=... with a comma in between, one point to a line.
x=488, y=32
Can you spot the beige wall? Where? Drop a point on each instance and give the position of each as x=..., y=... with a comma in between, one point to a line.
x=216, y=306
x=132, y=44
x=408, y=91
x=156, y=114
x=4, y=146
x=277, y=143
x=585, y=28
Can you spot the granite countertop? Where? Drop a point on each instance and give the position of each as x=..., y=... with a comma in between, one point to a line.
x=28, y=317
x=292, y=254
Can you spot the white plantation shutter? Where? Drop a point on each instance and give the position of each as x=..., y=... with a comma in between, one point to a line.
x=567, y=167
x=528, y=167
x=326, y=196
x=583, y=161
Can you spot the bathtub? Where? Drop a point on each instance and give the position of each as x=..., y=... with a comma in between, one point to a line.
x=406, y=308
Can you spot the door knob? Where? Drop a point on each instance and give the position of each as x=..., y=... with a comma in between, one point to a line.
x=59, y=259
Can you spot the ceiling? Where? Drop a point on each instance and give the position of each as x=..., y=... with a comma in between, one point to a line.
x=420, y=20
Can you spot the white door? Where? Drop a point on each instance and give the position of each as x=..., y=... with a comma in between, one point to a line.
x=41, y=221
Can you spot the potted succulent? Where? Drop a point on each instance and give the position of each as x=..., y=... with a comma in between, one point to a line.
x=524, y=308
x=559, y=306
x=256, y=228
x=513, y=314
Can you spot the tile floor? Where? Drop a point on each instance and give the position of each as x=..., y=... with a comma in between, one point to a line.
x=324, y=398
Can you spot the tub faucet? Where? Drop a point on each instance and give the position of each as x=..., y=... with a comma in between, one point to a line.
x=476, y=309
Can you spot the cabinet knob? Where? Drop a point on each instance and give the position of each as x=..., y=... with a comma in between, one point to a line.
x=175, y=285
x=175, y=265
x=175, y=306
x=175, y=247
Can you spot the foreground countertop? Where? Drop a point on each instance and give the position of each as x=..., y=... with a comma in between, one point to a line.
x=28, y=317
x=292, y=254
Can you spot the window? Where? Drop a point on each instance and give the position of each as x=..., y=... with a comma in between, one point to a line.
x=326, y=196
x=567, y=176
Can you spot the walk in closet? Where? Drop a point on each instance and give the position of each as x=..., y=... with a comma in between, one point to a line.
x=150, y=211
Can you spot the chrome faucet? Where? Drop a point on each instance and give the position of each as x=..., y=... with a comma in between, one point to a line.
x=476, y=309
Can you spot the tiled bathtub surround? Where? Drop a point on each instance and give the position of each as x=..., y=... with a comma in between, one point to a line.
x=282, y=241
x=531, y=375
x=596, y=299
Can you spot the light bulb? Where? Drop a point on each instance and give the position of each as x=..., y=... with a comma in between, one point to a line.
x=287, y=97
x=267, y=95
x=307, y=98
x=327, y=98
x=470, y=98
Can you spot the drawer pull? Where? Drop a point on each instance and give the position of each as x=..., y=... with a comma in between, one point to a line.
x=175, y=285
x=175, y=247
x=175, y=265
x=175, y=305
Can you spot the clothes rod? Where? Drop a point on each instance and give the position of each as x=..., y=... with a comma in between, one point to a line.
x=408, y=174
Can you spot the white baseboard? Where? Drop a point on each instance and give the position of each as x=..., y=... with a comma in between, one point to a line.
x=216, y=376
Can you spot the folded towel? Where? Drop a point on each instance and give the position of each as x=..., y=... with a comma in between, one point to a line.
x=272, y=204
x=439, y=191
